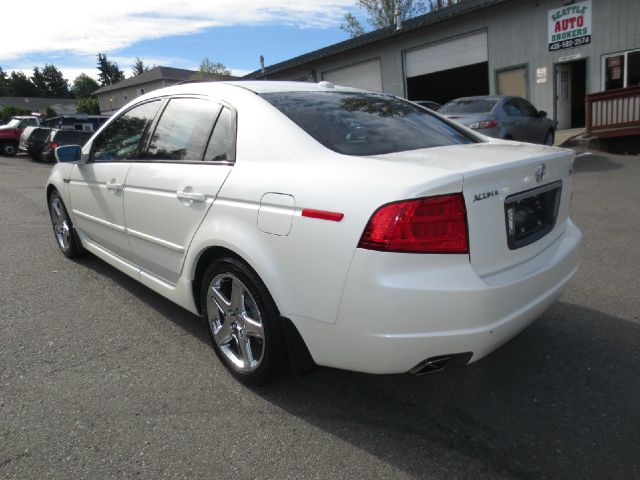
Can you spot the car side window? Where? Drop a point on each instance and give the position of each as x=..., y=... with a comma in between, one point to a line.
x=511, y=109
x=183, y=130
x=221, y=143
x=528, y=109
x=122, y=139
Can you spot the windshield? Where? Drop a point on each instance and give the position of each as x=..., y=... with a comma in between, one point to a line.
x=365, y=123
x=14, y=123
x=469, y=106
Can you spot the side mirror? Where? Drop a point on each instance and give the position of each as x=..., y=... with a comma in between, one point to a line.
x=68, y=153
x=542, y=114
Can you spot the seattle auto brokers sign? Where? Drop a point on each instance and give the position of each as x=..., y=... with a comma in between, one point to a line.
x=570, y=26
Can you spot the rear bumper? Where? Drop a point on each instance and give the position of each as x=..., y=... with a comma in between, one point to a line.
x=399, y=309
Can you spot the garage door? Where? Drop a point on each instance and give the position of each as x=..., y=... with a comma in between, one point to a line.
x=365, y=75
x=467, y=50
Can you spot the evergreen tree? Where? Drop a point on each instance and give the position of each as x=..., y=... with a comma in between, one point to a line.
x=19, y=85
x=4, y=86
x=109, y=71
x=139, y=67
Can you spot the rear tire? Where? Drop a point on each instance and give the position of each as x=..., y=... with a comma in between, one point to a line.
x=243, y=322
x=10, y=149
x=63, y=231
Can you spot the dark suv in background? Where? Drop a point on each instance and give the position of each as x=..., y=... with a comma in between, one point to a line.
x=32, y=141
x=59, y=138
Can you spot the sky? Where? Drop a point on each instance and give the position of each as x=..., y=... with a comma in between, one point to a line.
x=172, y=33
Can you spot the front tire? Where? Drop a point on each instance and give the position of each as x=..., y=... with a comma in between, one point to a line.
x=243, y=322
x=63, y=230
x=550, y=138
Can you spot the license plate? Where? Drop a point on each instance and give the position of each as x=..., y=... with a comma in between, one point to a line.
x=531, y=215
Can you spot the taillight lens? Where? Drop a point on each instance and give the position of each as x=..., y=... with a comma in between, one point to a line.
x=425, y=225
x=482, y=125
x=53, y=145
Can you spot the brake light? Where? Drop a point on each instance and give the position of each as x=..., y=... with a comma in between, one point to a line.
x=53, y=145
x=426, y=225
x=485, y=124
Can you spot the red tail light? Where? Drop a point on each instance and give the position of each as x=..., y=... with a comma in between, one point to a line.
x=425, y=225
x=53, y=145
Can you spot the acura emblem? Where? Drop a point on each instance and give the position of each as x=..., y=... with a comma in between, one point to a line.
x=540, y=172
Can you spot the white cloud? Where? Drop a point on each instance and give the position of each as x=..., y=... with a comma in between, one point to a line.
x=84, y=28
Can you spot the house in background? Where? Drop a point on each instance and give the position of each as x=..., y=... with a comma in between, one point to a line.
x=113, y=97
x=62, y=106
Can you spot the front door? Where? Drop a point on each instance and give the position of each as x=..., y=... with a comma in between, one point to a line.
x=563, y=96
x=97, y=200
x=168, y=193
x=96, y=188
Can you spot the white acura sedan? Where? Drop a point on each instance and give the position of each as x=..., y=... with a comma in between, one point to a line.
x=315, y=223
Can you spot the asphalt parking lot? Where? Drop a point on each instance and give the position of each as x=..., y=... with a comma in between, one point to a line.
x=102, y=378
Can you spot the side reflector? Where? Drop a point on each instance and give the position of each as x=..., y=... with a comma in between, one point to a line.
x=322, y=214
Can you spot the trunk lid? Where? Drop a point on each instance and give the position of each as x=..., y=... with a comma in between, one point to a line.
x=497, y=173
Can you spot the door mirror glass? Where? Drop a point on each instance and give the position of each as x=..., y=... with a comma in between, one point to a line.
x=69, y=153
x=542, y=114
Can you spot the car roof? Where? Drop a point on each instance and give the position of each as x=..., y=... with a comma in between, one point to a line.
x=259, y=86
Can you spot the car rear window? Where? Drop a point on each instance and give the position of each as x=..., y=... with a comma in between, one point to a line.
x=40, y=134
x=468, y=106
x=72, y=137
x=365, y=123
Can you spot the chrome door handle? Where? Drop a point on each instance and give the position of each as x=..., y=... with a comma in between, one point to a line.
x=115, y=187
x=191, y=196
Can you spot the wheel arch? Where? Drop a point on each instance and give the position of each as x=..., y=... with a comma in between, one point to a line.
x=300, y=359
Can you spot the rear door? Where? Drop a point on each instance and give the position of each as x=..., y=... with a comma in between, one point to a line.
x=169, y=191
x=514, y=121
x=535, y=126
x=97, y=187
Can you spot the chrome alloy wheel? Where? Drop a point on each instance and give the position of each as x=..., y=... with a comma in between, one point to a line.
x=61, y=224
x=235, y=322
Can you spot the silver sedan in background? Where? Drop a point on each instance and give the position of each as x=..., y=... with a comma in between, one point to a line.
x=509, y=118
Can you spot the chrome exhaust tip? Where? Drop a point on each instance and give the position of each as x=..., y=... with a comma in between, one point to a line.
x=431, y=365
x=439, y=363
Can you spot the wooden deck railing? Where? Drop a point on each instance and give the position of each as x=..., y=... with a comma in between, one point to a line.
x=614, y=113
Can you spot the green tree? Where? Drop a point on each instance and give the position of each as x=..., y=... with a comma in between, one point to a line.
x=139, y=67
x=50, y=112
x=19, y=85
x=209, y=69
x=50, y=82
x=10, y=111
x=89, y=106
x=4, y=87
x=109, y=73
x=382, y=13
x=84, y=86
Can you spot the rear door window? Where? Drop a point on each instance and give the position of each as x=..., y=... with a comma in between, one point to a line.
x=183, y=130
x=220, y=148
x=512, y=109
x=366, y=123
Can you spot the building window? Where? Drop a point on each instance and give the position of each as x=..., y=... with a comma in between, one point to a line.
x=126, y=97
x=621, y=70
x=141, y=91
x=512, y=82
